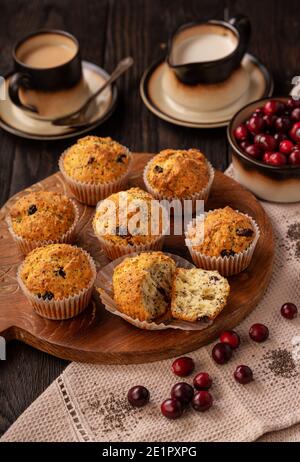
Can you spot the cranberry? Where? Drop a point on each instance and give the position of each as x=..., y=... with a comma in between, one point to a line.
x=243, y=374
x=273, y=107
x=183, y=392
x=259, y=333
x=138, y=396
x=183, y=366
x=202, y=381
x=256, y=125
x=202, y=401
x=266, y=157
x=280, y=137
x=295, y=115
x=286, y=146
x=230, y=337
x=253, y=151
x=269, y=120
x=241, y=132
x=289, y=310
x=294, y=157
x=171, y=408
x=283, y=124
x=277, y=159
x=295, y=132
x=293, y=103
x=244, y=144
x=221, y=353
x=266, y=142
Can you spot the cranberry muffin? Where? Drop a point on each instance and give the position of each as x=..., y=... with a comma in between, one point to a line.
x=95, y=167
x=42, y=217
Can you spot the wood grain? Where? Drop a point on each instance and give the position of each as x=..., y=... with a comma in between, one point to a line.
x=99, y=336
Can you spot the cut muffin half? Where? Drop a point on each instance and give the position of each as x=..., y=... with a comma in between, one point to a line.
x=198, y=294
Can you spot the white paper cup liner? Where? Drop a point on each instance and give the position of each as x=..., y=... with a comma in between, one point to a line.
x=105, y=289
x=61, y=309
x=201, y=195
x=227, y=266
x=26, y=245
x=89, y=193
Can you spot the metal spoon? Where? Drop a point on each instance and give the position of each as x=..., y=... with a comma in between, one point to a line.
x=77, y=118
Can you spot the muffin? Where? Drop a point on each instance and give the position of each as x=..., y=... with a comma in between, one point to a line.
x=57, y=280
x=198, y=294
x=127, y=222
x=41, y=218
x=95, y=167
x=142, y=285
x=228, y=243
x=179, y=174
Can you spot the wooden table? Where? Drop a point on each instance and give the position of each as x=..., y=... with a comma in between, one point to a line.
x=109, y=30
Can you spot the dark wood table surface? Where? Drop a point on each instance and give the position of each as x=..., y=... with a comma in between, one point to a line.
x=109, y=30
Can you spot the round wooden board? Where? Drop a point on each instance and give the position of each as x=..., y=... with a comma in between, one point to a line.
x=98, y=336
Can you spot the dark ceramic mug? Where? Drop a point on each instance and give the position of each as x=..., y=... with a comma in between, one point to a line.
x=46, y=60
x=214, y=69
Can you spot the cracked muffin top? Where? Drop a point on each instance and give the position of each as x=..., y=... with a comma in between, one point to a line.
x=96, y=160
x=126, y=218
x=42, y=215
x=56, y=271
x=226, y=232
x=178, y=173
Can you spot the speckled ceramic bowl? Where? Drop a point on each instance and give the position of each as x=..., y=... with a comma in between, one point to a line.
x=276, y=184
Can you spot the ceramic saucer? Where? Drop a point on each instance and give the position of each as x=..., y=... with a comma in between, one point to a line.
x=18, y=122
x=203, y=106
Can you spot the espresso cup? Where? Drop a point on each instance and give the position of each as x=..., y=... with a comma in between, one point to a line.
x=46, y=61
x=208, y=52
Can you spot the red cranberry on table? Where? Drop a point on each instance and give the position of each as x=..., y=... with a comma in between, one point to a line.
x=273, y=107
x=277, y=159
x=243, y=374
x=253, y=151
x=182, y=391
x=230, y=337
x=256, y=125
x=202, y=401
x=241, y=132
x=266, y=157
x=295, y=132
x=294, y=157
x=266, y=142
x=138, y=396
x=221, y=353
x=183, y=366
x=202, y=381
x=259, y=332
x=289, y=310
x=286, y=146
x=171, y=408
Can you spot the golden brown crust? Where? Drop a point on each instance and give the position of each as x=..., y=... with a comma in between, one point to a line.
x=96, y=160
x=128, y=279
x=56, y=271
x=42, y=216
x=226, y=232
x=104, y=226
x=178, y=173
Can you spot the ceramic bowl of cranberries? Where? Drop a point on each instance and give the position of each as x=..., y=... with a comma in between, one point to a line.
x=265, y=141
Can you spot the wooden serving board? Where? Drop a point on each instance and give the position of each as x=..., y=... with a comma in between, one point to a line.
x=98, y=336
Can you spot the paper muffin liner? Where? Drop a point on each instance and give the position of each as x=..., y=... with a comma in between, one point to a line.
x=89, y=193
x=227, y=266
x=203, y=194
x=26, y=245
x=105, y=289
x=65, y=308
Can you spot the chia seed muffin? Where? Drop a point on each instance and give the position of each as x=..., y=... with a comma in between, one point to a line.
x=57, y=280
x=179, y=174
x=125, y=223
x=228, y=243
x=41, y=218
x=95, y=167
